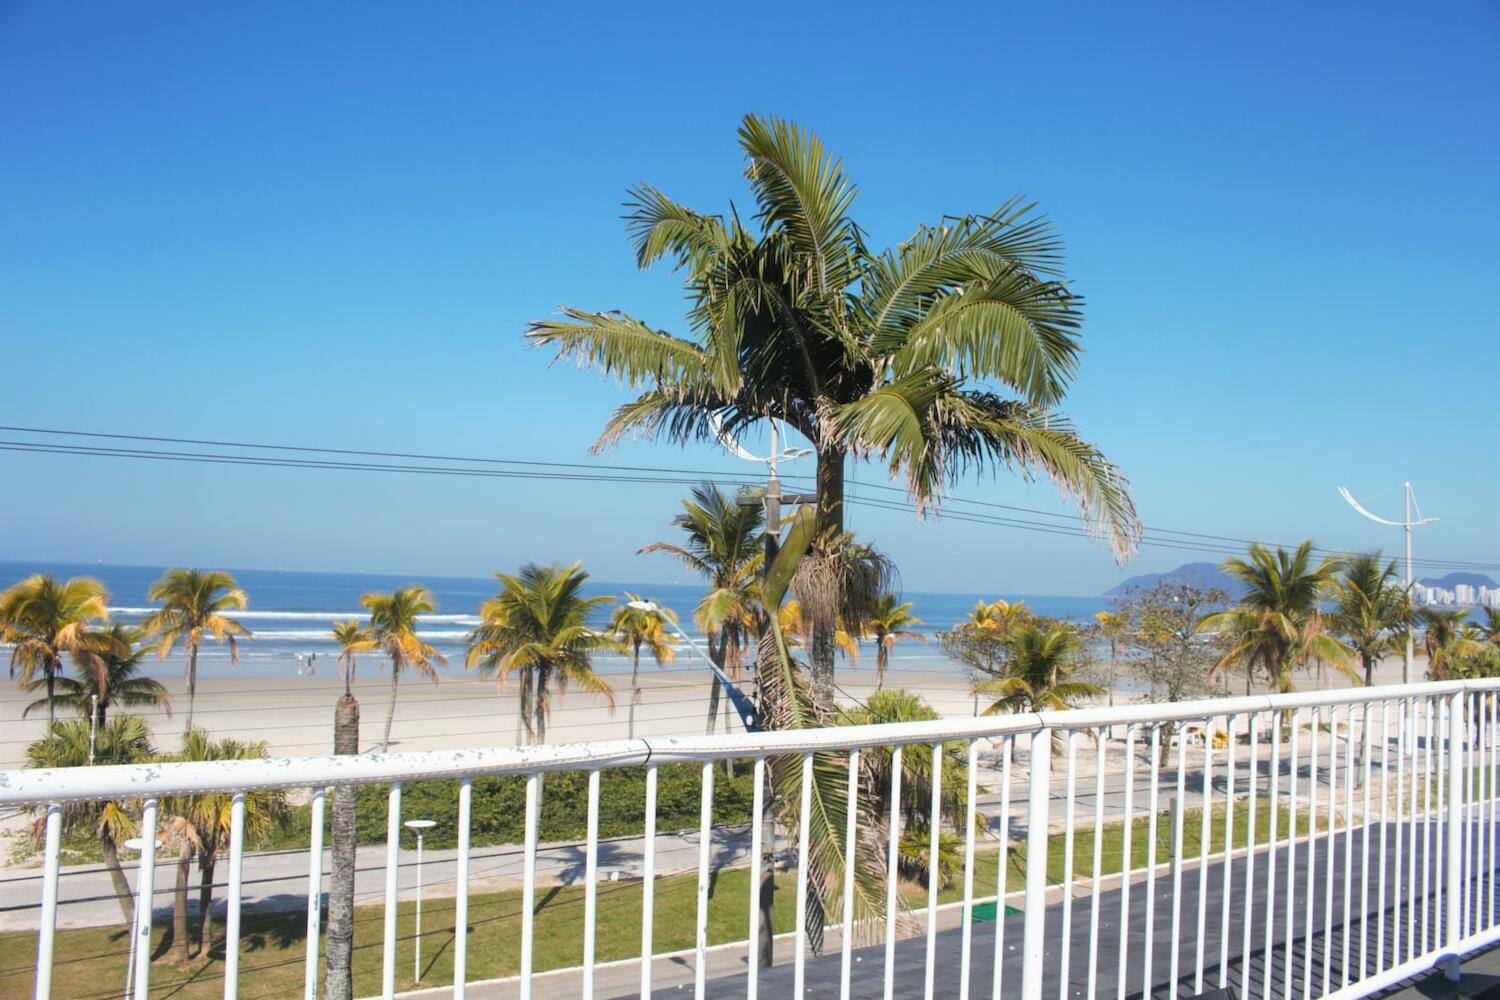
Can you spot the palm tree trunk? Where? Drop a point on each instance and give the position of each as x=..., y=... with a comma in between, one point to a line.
x=206, y=902
x=635, y=689
x=390, y=710
x=111, y=855
x=1369, y=670
x=180, y=903
x=338, y=967
x=523, y=707
x=539, y=705
x=830, y=524
x=192, y=682
x=51, y=692
x=716, y=654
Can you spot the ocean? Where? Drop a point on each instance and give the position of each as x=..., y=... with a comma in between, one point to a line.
x=291, y=615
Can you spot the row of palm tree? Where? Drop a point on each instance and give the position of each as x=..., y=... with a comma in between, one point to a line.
x=46, y=621
x=194, y=827
x=1297, y=613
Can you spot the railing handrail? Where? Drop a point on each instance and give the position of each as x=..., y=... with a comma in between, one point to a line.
x=158, y=780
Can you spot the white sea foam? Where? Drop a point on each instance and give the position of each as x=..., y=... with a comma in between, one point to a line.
x=282, y=635
x=313, y=616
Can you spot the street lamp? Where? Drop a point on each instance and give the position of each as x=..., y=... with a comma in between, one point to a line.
x=736, y=696
x=419, y=827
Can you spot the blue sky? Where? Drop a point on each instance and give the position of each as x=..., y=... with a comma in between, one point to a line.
x=328, y=224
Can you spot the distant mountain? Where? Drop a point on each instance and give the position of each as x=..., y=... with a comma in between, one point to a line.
x=1454, y=579
x=1199, y=574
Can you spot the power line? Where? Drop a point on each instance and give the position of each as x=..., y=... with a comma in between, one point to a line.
x=1189, y=541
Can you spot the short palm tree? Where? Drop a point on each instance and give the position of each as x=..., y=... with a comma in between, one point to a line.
x=723, y=547
x=885, y=707
x=1041, y=658
x=537, y=626
x=640, y=628
x=948, y=352
x=1369, y=610
x=997, y=617
x=193, y=608
x=393, y=628
x=1488, y=627
x=43, y=621
x=209, y=814
x=125, y=739
x=1446, y=636
x=121, y=660
x=1279, y=623
x=890, y=622
x=353, y=638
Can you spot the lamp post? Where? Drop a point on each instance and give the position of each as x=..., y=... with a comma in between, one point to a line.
x=1406, y=524
x=737, y=699
x=419, y=827
x=93, y=723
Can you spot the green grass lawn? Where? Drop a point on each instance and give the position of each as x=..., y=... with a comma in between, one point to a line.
x=91, y=962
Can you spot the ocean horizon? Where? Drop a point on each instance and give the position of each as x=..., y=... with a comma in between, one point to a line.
x=291, y=614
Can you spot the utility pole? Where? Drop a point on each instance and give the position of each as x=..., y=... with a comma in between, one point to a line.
x=771, y=500
x=1406, y=524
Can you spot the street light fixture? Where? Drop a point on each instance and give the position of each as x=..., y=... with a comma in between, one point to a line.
x=419, y=827
x=1406, y=523
x=736, y=696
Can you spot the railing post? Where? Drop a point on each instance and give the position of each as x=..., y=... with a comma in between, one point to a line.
x=47, y=932
x=1453, y=898
x=1035, y=932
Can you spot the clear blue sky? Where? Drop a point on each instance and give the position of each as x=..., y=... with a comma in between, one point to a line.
x=329, y=223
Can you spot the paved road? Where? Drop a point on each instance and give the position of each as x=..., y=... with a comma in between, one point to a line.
x=278, y=881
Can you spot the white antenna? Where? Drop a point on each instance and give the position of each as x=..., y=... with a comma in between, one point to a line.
x=1407, y=524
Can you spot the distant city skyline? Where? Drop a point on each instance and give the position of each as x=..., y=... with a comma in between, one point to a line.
x=329, y=224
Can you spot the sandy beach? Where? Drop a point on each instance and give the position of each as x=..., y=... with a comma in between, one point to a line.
x=294, y=715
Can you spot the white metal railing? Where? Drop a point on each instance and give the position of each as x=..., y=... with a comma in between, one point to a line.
x=1392, y=790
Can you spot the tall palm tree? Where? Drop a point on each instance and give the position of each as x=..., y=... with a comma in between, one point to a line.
x=1445, y=636
x=637, y=629
x=890, y=622
x=120, y=686
x=338, y=961
x=1112, y=625
x=1041, y=658
x=1279, y=623
x=43, y=621
x=125, y=739
x=723, y=547
x=537, y=626
x=950, y=351
x=353, y=639
x=1370, y=610
x=193, y=606
x=393, y=627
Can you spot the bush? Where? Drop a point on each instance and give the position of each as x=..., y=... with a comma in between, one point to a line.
x=499, y=806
